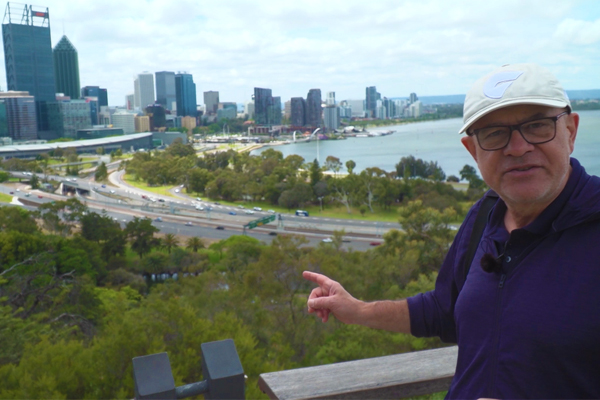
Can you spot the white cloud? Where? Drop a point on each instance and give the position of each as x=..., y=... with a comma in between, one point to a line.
x=578, y=32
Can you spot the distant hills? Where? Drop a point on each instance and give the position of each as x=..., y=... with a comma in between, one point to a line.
x=460, y=98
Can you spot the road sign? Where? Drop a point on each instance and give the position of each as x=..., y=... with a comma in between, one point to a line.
x=259, y=222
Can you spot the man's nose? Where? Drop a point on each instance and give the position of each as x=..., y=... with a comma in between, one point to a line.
x=517, y=145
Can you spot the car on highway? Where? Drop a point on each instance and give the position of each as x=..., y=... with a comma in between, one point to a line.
x=249, y=211
x=158, y=219
x=241, y=207
x=221, y=228
x=161, y=200
x=18, y=190
x=232, y=213
x=198, y=198
x=257, y=209
x=271, y=211
x=176, y=190
x=188, y=223
x=112, y=192
x=217, y=203
x=327, y=240
x=104, y=186
x=272, y=233
x=40, y=196
x=27, y=194
x=12, y=192
x=374, y=243
x=302, y=213
x=199, y=208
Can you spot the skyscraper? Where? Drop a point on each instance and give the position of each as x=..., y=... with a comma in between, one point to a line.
x=165, y=89
x=371, y=101
x=298, y=117
x=211, y=101
x=66, y=68
x=28, y=56
x=263, y=101
x=143, y=90
x=313, y=108
x=185, y=93
x=267, y=109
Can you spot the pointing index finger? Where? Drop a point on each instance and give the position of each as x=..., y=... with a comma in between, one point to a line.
x=319, y=279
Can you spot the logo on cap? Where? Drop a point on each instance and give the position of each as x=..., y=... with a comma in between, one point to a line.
x=495, y=87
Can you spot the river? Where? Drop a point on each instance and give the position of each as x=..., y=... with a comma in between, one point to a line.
x=430, y=141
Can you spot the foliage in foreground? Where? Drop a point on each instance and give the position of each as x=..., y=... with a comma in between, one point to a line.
x=74, y=311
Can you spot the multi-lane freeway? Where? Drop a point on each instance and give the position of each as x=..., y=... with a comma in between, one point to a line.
x=185, y=215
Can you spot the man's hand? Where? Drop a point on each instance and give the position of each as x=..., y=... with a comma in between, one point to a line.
x=331, y=297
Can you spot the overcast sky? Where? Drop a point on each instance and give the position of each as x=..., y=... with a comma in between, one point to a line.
x=431, y=47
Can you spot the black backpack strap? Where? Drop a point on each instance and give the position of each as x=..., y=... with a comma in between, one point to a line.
x=480, y=222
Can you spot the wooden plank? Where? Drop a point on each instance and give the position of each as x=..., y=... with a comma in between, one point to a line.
x=397, y=376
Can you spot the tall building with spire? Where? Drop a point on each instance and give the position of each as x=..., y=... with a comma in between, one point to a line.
x=66, y=68
x=28, y=56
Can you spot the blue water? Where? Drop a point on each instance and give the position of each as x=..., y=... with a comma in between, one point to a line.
x=430, y=141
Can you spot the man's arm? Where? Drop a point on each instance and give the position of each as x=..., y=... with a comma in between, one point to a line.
x=331, y=297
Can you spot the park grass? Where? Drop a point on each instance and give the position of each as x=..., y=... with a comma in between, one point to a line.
x=161, y=190
x=5, y=198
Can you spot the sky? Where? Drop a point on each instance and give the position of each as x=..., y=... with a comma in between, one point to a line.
x=430, y=47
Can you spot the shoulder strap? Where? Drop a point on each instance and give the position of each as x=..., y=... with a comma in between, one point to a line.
x=480, y=222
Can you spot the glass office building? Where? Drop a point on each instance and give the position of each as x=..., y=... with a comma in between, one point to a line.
x=28, y=56
x=66, y=68
x=185, y=93
x=17, y=115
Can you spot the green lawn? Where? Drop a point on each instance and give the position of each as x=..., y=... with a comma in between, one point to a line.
x=162, y=190
x=5, y=198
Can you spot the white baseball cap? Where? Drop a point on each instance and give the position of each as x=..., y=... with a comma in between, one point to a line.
x=510, y=85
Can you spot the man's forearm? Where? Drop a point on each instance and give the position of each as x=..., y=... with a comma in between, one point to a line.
x=387, y=315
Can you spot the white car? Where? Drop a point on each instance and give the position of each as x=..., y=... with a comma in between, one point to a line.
x=327, y=240
x=249, y=211
x=271, y=211
x=199, y=208
x=176, y=190
x=257, y=209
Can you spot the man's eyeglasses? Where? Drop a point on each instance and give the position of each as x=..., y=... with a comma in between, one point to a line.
x=537, y=131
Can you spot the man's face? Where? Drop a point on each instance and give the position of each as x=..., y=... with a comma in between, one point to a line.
x=523, y=174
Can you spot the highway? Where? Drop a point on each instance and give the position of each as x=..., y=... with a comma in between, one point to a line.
x=185, y=215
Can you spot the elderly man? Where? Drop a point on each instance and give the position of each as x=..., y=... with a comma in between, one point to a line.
x=526, y=312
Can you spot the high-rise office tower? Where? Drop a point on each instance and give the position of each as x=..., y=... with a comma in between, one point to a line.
x=211, y=101
x=263, y=102
x=185, y=93
x=165, y=89
x=66, y=68
x=313, y=108
x=143, y=90
x=331, y=117
x=298, y=117
x=28, y=56
x=129, y=101
x=96, y=91
x=275, y=111
x=267, y=109
x=371, y=101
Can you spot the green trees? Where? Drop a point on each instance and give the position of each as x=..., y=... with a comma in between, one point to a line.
x=140, y=233
x=469, y=174
x=101, y=172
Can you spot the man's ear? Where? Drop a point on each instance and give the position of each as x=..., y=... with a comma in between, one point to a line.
x=470, y=144
x=572, y=123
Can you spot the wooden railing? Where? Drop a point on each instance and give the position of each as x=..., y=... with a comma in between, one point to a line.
x=389, y=377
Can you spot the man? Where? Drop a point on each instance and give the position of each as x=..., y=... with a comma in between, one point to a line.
x=526, y=316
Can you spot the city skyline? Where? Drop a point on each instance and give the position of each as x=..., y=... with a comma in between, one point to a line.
x=431, y=47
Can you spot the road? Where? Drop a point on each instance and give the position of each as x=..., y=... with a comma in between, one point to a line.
x=123, y=202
